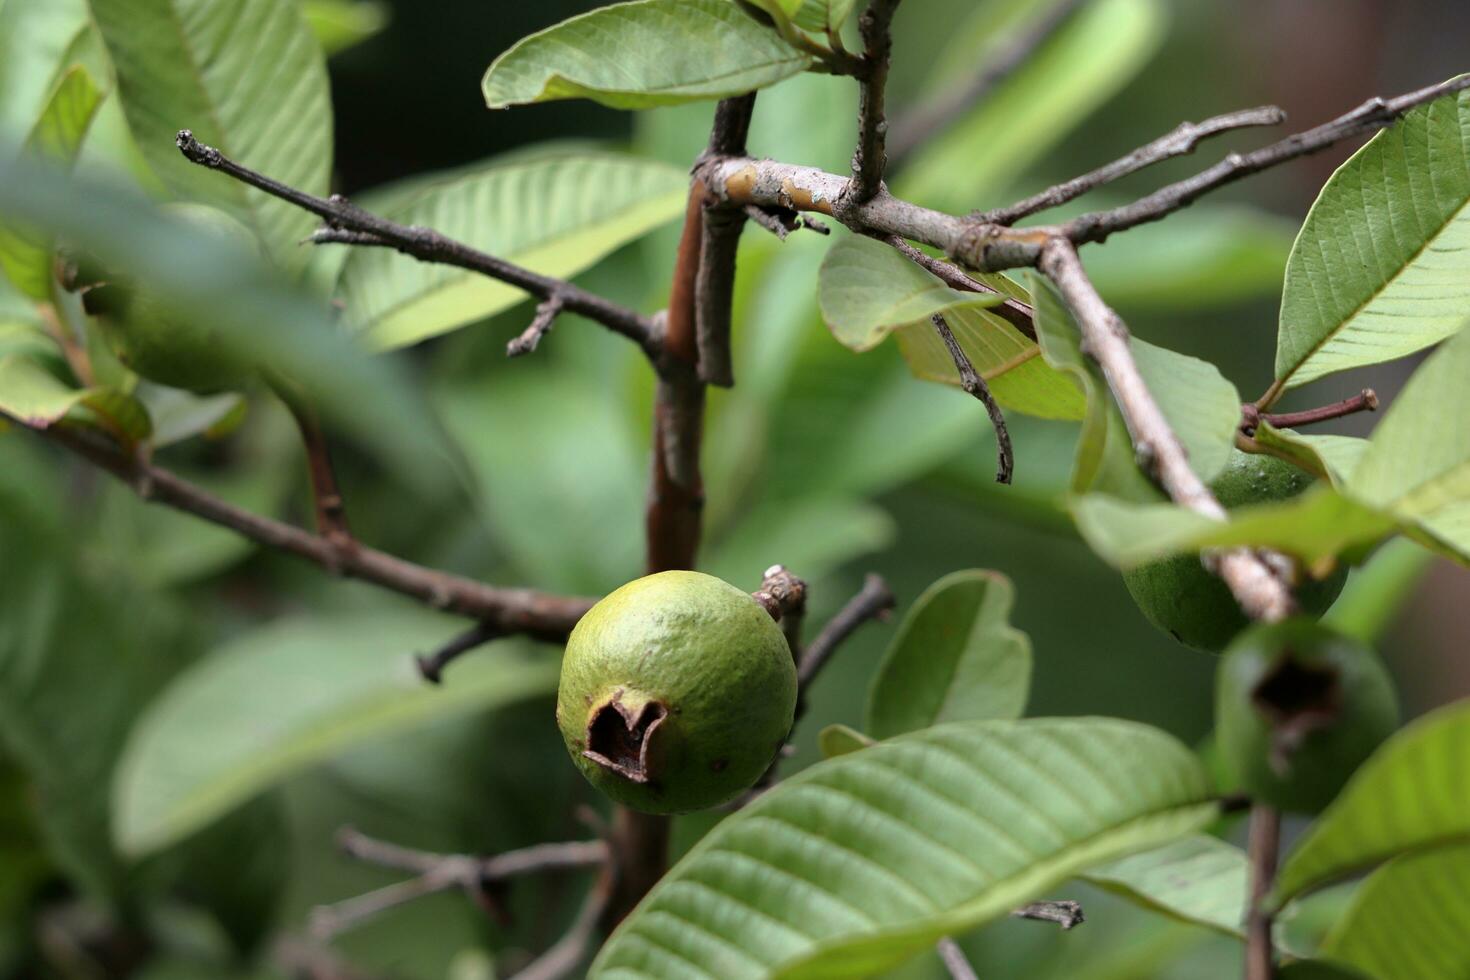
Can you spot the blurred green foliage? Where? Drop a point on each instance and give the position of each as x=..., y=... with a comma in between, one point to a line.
x=533, y=472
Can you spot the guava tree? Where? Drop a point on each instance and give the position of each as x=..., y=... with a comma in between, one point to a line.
x=138, y=326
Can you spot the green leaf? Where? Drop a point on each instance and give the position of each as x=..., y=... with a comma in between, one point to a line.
x=1198, y=879
x=81, y=653
x=1413, y=794
x=340, y=24
x=1025, y=383
x=38, y=40
x=285, y=697
x=555, y=215
x=824, y=15
x=1417, y=465
x=786, y=9
x=857, y=863
x=644, y=53
x=1093, y=55
x=835, y=740
x=1407, y=921
x=179, y=415
x=1317, y=525
x=34, y=397
x=1380, y=268
x=247, y=77
x=955, y=657
x=257, y=316
x=866, y=290
x=25, y=256
x=1330, y=456
x=1201, y=406
x=1377, y=592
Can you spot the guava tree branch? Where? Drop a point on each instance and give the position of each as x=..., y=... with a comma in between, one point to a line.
x=955, y=961
x=509, y=611
x=347, y=223
x=914, y=128
x=1181, y=140
x=563, y=958
x=873, y=602
x=529, y=339
x=672, y=520
x=1369, y=117
x=870, y=158
x=975, y=385
x=714, y=282
x=431, y=666
x=434, y=873
x=1260, y=592
x=989, y=247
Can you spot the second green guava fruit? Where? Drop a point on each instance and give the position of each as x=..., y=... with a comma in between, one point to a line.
x=1298, y=707
x=677, y=691
x=155, y=342
x=1181, y=598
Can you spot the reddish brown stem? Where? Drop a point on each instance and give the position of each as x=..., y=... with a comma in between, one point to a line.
x=640, y=841
x=331, y=510
x=1364, y=401
x=1261, y=849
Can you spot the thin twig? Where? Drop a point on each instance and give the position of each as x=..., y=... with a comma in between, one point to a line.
x=1364, y=401
x=331, y=507
x=954, y=960
x=714, y=283
x=1260, y=592
x=874, y=601
x=431, y=666
x=304, y=959
x=1372, y=115
x=332, y=920
x=546, y=313
x=783, y=221
x=568, y=952
x=511, y=611
x=870, y=158
x=971, y=381
x=351, y=224
x=434, y=873
x=1018, y=314
x=915, y=127
x=1064, y=912
x=558, y=856
x=1262, y=846
x=1182, y=140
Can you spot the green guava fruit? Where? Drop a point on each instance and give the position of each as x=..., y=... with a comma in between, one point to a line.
x=154, y=341
x=677, y=691
x=1181, y=598
x=1298, y=707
